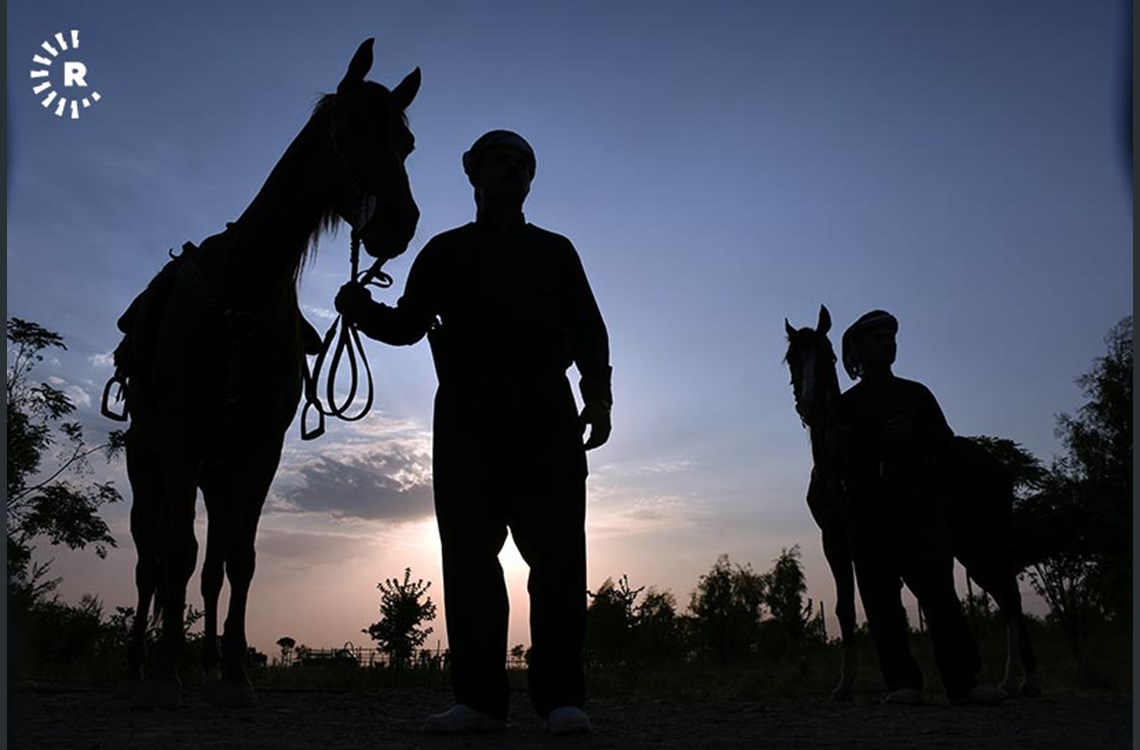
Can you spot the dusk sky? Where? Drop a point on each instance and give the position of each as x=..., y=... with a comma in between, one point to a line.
x=718, y=165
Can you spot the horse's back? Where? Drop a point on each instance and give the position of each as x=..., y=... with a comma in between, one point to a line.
x=980, y=506
x=978, y=480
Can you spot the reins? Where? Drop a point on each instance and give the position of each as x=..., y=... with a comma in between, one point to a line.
x=347, y=344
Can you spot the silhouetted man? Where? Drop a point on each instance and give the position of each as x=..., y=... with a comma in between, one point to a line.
x=507, y=309
x=896, y=437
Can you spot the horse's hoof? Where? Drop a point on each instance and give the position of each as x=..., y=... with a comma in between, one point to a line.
x=842, y=695
x=157, y=694
x=228, y=694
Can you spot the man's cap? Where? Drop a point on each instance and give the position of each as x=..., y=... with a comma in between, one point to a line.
x=866, y=322
x=474, y=155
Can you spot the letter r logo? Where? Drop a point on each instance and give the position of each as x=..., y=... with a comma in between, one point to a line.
x=73, y=73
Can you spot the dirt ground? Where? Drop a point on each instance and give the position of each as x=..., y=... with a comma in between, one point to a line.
x=284, y=720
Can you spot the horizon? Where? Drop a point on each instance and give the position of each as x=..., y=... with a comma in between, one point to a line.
x=718, y=170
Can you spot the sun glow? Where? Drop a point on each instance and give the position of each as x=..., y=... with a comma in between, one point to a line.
x=514, y=566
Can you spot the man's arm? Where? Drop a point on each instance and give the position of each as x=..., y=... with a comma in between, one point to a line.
x=590, y=349
x=932, y=421
x=404, y=324
x=933, y=436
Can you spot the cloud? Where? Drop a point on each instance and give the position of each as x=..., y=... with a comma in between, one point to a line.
x=383, y=485
x=102, y=360
x=303, y=550
x=671, y=466
x=76, y=394
x=381, y=474
x=639, y=515
x=321, y=313
x=645, y=470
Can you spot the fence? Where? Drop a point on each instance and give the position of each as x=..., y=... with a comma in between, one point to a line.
x=362, y=656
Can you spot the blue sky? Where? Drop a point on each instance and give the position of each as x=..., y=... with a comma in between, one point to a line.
x=719, y=166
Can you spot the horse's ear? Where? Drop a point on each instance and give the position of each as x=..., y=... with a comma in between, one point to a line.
x=788, y=328
x=358, y=68
x=407, y=90
x=824, y=324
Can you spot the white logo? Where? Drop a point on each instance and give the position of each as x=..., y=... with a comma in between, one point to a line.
x=75, y=87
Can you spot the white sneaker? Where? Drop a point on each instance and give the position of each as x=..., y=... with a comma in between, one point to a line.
x=568, y=720
x=904, y=697
x=462, y=719
x=981, y=695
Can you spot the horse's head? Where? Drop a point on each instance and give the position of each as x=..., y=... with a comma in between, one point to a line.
x=370, y=141
x=811, y=361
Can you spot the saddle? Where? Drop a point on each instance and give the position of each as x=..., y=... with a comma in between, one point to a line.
x=139, y=322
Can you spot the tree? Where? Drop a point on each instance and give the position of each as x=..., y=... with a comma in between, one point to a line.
x=621, y=630
x=47, y=495
x=785, y=587
x=610, y=620
x=1082, y=512
x=659, y=635
x=1059, y=567
x=726, y=607
x=1098, y=440
x=286, y=644
x=402, y=613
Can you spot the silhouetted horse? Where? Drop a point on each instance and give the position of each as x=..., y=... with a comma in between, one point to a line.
x=214, y=356
x=980, y=513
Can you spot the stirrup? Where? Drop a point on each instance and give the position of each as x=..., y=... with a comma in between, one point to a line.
x=105, y=406
x=316, y=432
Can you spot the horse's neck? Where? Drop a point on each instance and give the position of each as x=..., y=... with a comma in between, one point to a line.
x=821, y=446
x=273, y=232
x=819, y=443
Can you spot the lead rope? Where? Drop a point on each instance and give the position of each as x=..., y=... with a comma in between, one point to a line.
x=347, y=343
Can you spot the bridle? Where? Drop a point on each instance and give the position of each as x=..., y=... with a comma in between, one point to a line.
x=808, y=372
x=347, y=337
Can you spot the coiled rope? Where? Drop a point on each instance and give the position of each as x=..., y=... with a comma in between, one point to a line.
x=347, y=349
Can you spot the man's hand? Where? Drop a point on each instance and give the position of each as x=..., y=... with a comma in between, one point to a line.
x=352, y=301
x=596, y=416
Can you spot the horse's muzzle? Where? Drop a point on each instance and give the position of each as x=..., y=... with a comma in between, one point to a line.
x=387, y=236
x=805, y=407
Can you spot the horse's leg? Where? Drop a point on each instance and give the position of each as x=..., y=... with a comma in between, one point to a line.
x=146, y=497
x=213, y=574
x=837, y=550
x=842, y=570
x=1029, y=685
x=985, y=550
x=179, y=555
x=984, y=542
x=240, y=488
x=997, y=578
